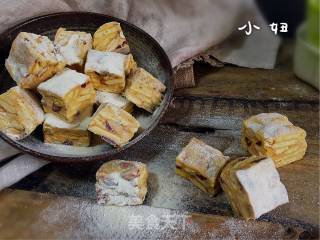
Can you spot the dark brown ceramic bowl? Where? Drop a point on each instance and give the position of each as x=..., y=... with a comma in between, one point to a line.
x=147, y=52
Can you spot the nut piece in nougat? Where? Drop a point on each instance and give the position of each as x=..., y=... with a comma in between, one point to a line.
x=116, y=126
x=115, y=99
x=20, y=113
x=67, y=94
x=32, y=60
x=109, y=37
x=73, y=46
x=144, y=90
x=107, y=70
x=57, y=131
x=121, y=182
x=273, y=135
x=201, y=164
x=252, y=186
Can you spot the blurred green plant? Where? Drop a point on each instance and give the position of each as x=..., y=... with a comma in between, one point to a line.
x=312, y=22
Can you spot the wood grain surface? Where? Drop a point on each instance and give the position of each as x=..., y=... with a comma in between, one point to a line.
x=45, y=216
x=279, y=84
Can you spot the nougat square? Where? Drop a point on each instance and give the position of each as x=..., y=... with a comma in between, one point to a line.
x=107, y=70
x=273, y=135
x=144, y=90
x=113, y=124
x=32, y=60
x=20, y=113
x=121, y=182
x=201, y=164
x=115, y=99
x=253, y=186
x=58, y=131
x=67, y=95
x=110, y=37
x=73, y=46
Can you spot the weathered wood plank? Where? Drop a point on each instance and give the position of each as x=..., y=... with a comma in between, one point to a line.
x=229, y=113
x=279, y=84
x=167, y=190
x=254, y=84
x=27, y=215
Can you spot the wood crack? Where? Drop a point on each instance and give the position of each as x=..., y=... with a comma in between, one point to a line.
x=195, y=129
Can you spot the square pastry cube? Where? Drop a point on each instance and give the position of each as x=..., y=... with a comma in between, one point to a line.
x=73, y=46
x=67, y=95
x=201, y=164
x=121, y=182
x=252, y=186
x=32, y=60
x=109, y=37
x=57, y=131
x=273, y=135
x=20, y=113
x=144, y=90
x=113, y=124
x=115, y=99
x=107, y=70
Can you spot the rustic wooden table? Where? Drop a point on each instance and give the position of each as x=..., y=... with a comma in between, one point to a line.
x=58, y=201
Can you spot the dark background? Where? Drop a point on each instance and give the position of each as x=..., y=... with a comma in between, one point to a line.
x=288, y=11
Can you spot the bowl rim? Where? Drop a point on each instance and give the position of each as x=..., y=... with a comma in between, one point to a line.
x=105, y=155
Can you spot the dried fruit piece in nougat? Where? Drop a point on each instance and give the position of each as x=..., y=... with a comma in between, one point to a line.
x=144, y=90
x=114, y=125
x=115, y=99
x=201, y=164
x=20, y=113
x=57, y=131
x=253, y=186
x=67, y=95
x=73, y=46
x=32, y=60
x=109, y=37
x=121, y=182
x=273, y=135
x=107, y=70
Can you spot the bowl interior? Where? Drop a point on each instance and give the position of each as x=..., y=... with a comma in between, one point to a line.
x=146, y=52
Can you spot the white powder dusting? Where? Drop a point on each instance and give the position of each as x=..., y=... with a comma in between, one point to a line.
x=71, y=151
x=270, y=125
x=121, y=186
x=20, y=58
x=263, y=186
x=62, y=83
x=274, y=130
x=105, y=62
x=54, y=121
x=76, y=219
x=71, y=50
x=101, y=222
x=115, y=99
x=71, y=44
x=41, y=44
x=17, y=70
